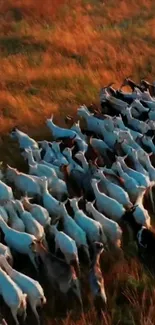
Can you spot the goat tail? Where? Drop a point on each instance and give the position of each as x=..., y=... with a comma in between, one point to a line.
x=43, y=300
x=75, y=264
x=23, y=303
x=151, y=198
x=118, y=243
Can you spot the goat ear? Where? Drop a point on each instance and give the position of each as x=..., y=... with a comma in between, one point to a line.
x=85, y=201
x=33, y=246
x=80, y=198
x=72, y=148
x=8, y=166
x=150, y=154
x=74, y=136
x=59, y=142
x=143, y=188
x=65, y=201
x=56, y=222
x=95, y=162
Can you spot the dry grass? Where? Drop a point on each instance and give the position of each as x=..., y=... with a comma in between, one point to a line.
x=54, y=56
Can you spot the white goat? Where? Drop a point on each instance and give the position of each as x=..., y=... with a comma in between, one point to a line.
x=76, y=127
x=107, y=205
x=140, y=178
x=5, y=251
x=14, y=221
x=32, y=226
x=111, y=228
x=56, y=168
x=91, y=227
x=4, y=214
x=49, y=155
x=30, y=287
x=81, y=157
x=72, y=229
x=25, y=183
x=49, y=202
x=130, y=183
x=133, y=154
x=66, y=244
x=115, y=191
x=93, y=124
x=58, y=186
x=38, y=212
x=24, y=140
x=68, y=154
x=6, y=193
x=19, y=241
x=138, y=125
x=140, y=213
x=13, y=296
x=58, y=132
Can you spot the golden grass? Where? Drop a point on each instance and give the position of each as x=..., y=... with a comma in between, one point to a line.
x=54, y=56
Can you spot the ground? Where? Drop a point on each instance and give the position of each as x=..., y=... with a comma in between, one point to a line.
x=54, y=56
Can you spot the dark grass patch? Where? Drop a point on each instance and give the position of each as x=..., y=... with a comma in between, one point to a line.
x=16, y=13
x=32, y=91
x=13, y=45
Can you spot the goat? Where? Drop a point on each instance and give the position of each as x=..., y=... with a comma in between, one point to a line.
x=107, y=205
x=49, y=202
x=140, y=178
x=32, y=289
x=4, y=214
x=32, y=226
x=38, y=212
x=18, y=241
x=13, y=296
x=67, y=246
x=14, y=221
x=110, y=227
x=24, y=140
x=115, y=191
x=6, y=193
x=129, y=82
x=5, y=251
x=25, y=183
x=96, y=280
x=91, y=227
x=60, y=274
x=58, y=132
x=73, y=230
x=130, y=183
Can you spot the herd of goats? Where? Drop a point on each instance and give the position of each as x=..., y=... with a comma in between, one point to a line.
x=81, y=188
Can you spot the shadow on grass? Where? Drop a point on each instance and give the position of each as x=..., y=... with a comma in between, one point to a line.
x=14, y=44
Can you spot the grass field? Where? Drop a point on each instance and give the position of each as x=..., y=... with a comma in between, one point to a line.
x=54, y=56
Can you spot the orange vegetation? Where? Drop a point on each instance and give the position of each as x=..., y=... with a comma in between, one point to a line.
x=55, y=55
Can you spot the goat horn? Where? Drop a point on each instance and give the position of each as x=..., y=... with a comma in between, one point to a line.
x=111, y=84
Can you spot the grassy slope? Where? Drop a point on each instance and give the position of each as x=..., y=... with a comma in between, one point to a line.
x=55, y=56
